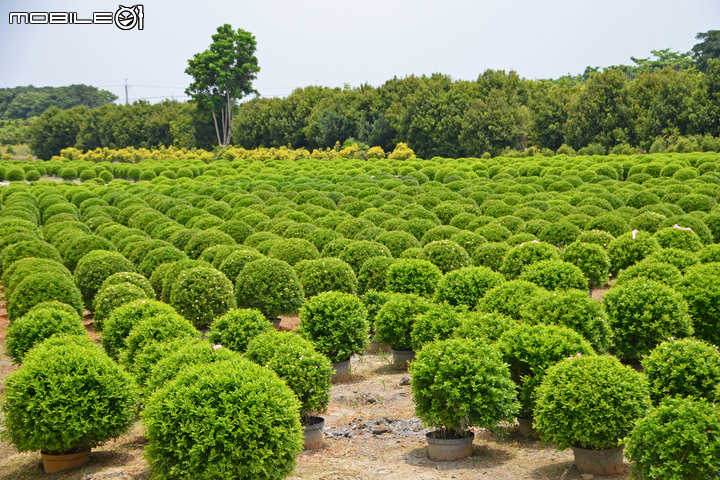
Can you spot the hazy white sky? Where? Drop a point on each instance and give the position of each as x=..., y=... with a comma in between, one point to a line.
x=334, y=42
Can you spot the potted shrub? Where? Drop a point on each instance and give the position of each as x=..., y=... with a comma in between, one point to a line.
x=306, y=371
x=394, y=323
x=240, y=418
x=437, y=323
x=271, y=286
x=591, y=404
x=337, y=325
x=458, y=384
x=679, y=439
x=66, y=398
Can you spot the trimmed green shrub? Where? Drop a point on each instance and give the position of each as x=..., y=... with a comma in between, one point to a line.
x=66, y=398
x=22, y=269
x=43, y=287
x=94, y=268
x=590, y=402
x=131, y=278
x=202, y=294
x=27, y=249
x=215, y=408
x=237, y=229
x=437, y=323
x=684, y=368
x=700, y=287
x=204, y=239
x=271, y=286
x=415, y=276
x=336, y=323
x=680, y=238
x=487, y=327
x=466, y=286
x=395, y=320
x=237, y=327
x=680, y=439
x=158, y=256
x=373, y=300
x=591, y=259
x=398, y=241
x=630, y=248
x=158, y=278
x=77, y=248
x=356, y=253
x=295, y=359
x=293, y=250
x=530, y=350
x=658, y=271
x=598, y=237
x=491, y=255
x=111, y=297
x=526, y=254
x=373, y=274
x=459, y=383
x=158, y=328
x=555, y=275
x=559, y=233
x=325, y=275
x=510, y=298
x=642, y=313
x=173, y=274
x=54, y=305
x=446, y=255
x=153, y=353
x=124, y=318
x=37, y=325
x=681, y=259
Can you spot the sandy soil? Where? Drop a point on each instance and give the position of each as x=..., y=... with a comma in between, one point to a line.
x=370, y=433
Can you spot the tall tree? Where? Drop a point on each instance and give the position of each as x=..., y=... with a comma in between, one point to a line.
x=222, y=75
x=707, y=49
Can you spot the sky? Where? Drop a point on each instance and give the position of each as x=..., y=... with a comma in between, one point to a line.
x=335, y=42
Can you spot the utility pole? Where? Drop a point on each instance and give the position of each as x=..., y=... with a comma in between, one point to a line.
x=126, y=91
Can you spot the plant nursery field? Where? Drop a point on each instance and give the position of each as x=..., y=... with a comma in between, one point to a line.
x=139, y=297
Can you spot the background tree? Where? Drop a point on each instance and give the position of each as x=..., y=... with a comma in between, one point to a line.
x=222, y=75
x=707, y=49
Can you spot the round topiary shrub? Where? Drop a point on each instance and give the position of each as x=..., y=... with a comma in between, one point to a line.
x=437, y=323
x=487, y=327
x=27, y=249
x=559, y=233
x=94, y=268
x=131, y=278
x=684, y=368
x=66, y=397
x=293, y=250
x=466, y=286
x=54, y=305
x=306, y=371
x=394, y=322
x=215, y=408
x=158, y=328
x=526, y=254
x=642, y=313
x=373, y=274
x=591, y=259
x=398, y=241
x=700, y=287
x=491, y=255
x=204, y=239
x=77, y=248
x=682, y=238
x=590, y=402
x=173, y=274
x=22, y=269
x=236, y=261
x=124, y=318
x=460, y=383
x=111, y=297
x=679, y=439
x=43, y=287
x=270, y=286
x=157, y=257
x=530, y=350
x=326, y=275
x=555, y=275
x=658, y=271
x=681, y=259
x=356, y=253
x=447, y=255
x=336, y=323
x=37, y=325
x=237, y=327
x=630, y=248
x=202, y=294
x=411, y=275
x=510, y=298
x=154, y=352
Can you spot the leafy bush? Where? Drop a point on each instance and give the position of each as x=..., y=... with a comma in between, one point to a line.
x=373, y=300
x=673, y=237
x=679, y=439
x=271, y=286
x=27, y=249
x=598, y=237
x=66, y=398
x=356, y=253
x=530, y=350
x=447, y=255
x=509, y=298
x=124, y=318
x=466, y=286
x=555, y=275
x=94, y=268
x=154, y=352
x=157, y=257
x=415, y=276
x=293, y=250
x=658, y=271
x=22, y=269
x=590, y=402
x=42, y=287
x=336, y=323
x=36, y=326
x=173, y=274
x=487, y=327
x=526, y=254
x=236, y=261
x=591, y=259
x=686, y=367
x=77, y=248
x=215, y=408
x=437, y=323
x=237, y=327
x=642, y=313
x=491, y=255
x=398, y=241
x=325, y=275
x=626, y=250
x=54, y=305
x=111, y=297
x=204, y=239
x=158, y=328
x=459, y=383
x=202, y=294
x=394, y=322
x=373, y=274
x=306, y=371
x=559, y=233
x=700, y=287
x=131, y=278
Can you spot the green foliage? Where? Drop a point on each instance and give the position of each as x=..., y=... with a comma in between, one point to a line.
x=684, y=368
x=271, y=286
x=491, y=255
x=590, y=402
x=325, y=275
x=466, y=286
x=132, y=278
x=36, y=326
x=202, y=294
x=30, y=248
x=66, y=397
x=306, y=371
x=679, y=258
x=642, y=313
x=446, y=255
x=414, y=276
x=241, y=419
x=460, y=383
x=526, y=254
x=111, y=297
x=626, y=250
x=700, y=287
x=356, y=253
x=661, y=272
x=672, y=237
x=293, y=250
x=437, y=323
x=43, y=287
x=158, y=328
x=591, y=259
x=509, y=298
x=94, y=268
x=394, y=322
x=204, y=239
x=487, y=327
x=555, y=275
x=237, y=327
x=336, y=323
x=373, y=274
x=157, y=257
x=677, y=440
x=236, y=262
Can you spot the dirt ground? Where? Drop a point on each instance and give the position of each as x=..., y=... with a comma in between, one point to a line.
x=370, y=433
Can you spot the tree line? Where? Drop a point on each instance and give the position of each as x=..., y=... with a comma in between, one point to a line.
x=20, y=103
